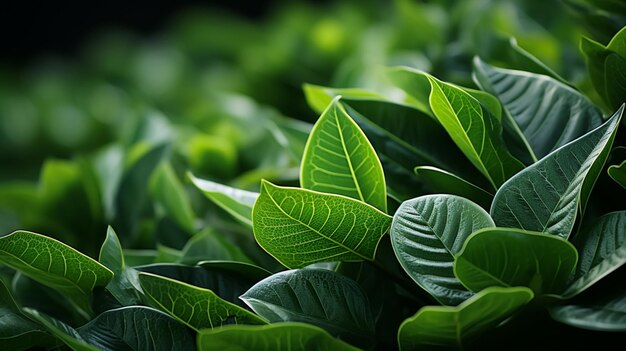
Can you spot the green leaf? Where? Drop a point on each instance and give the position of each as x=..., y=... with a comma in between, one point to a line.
x=209, y=245
x=234, y=201
x=512, y=257
x=439, y=181
x=442, y=327
x=16, y=331
x=299, y=227
x=618, y=173
x=319, y=97
x=124, y=282
x=196, y=307
x=339, y=159
x=549, y=113
x=54, y=264
x=427, y=233
x=169, y=193
x=272, y=337
x=137, y=328
x=602, y=249
x=315, y=296
x=60, y=330
x=473, y=128
x=604, y=315
x=544, y=197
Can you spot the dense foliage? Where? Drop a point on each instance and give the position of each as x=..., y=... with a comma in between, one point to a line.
x=459, y=189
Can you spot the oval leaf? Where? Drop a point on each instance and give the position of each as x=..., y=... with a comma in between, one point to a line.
x=439, y=327
x=299, y=227
x=513, y=257
x=544, y=197
x=273, y=337
x=427, y=233
x=338, y=159
x=54, y=264
x=315, y=296
x=196, y=307
x=602, y=250
x=549, y=113
x=618, y=173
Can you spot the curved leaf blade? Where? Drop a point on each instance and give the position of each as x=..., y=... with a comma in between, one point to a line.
x=606, y=316
x=299, y=227
x=54, y=264
x=315, y=296
x=61, y=331
x=544, y=197
x=338, y=159
x=236, y=202
x=512, y=257
x=443, y=327
x=602, y=250
x=124, y=282
x=618, y=173
x=196, y=307
x=272, y=337
x=440, y=181
x=427, y=233
x=549, y=113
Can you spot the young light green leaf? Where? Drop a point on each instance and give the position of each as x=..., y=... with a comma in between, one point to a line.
x=234, y=201
x=54, y=264
x=547, y=112
x=124, y=282
x=137, y=328
x=170, y=194
x=299, y=227
x=16, y=331
x=442, y=327
x=544, y=197
x=209, y=245
x=315, y=296
x=476, y=131
x=427, y=233
x=60, y=330
x=602, y=250
x=439, y=181
x=272, y=337
x=338, y=159
x=513, y=257
x=618, y=173
x=196, y=307
x=319, y=97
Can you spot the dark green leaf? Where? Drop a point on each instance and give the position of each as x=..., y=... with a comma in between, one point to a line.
x=169, y=193
x=299, y=227
x=427, y=233
x=439, y=181
x=618, y=173
x=513, y=257
x=60, y=330
x=544, y=197
x=124, y=283
x=209, y=245
x=606, y=315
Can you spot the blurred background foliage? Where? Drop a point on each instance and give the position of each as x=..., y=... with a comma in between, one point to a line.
x=107, y=135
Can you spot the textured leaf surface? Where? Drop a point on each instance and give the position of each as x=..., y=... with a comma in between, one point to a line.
x=54, y=264
x=273, y=337
x=618, y=173
x=427, y=233
x=60, y=330
x=513, y=257
x=315, y=296
x=338, y=159
x=442, y=327
x=124, y=282
x=601, y=249
x=237, y=202
x=608, y=315
x=196, y=307
x=439, y=181
x=549, y=113
x=299, y=227
x=544, y=197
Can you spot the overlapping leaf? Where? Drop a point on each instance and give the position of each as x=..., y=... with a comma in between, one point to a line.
x=618, y=173
x=444, y=182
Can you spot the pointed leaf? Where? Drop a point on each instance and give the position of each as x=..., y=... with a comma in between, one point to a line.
x=60, y=330
x=124, y=282
x=234, y=201
x=544, y=197
x=439, y=181
x=338, y=159
x=618, y=173
x=606, y=315
x=427, y=233
x=602, y=250
x=319, y=97
x=315, y=296
x=513, y=257
x=439, y=327
x=549, y=113
x=299, y=227
x=54, y=264
x=196, y=307
x=170, y=193
x=273, y=337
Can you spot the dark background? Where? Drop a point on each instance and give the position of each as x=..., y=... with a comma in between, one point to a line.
x=30, y=29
